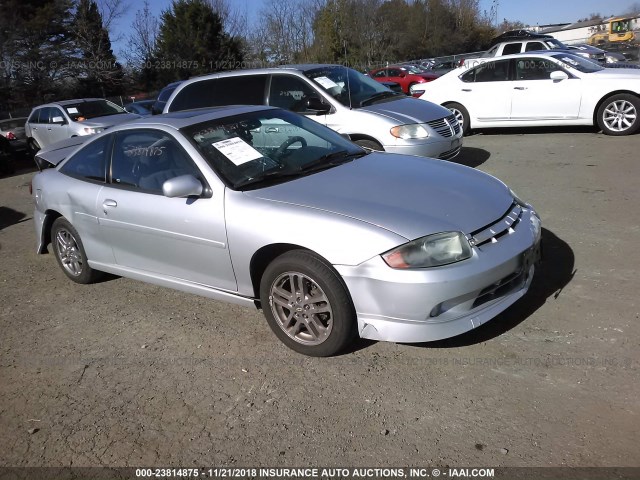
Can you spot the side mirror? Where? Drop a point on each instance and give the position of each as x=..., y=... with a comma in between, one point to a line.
x=558, y=76
x=402, y=75
x=58, y=120
x=182, y=186
x=316, y=103
x=156, y=109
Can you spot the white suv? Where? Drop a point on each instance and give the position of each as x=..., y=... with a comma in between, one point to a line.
x=57, y=121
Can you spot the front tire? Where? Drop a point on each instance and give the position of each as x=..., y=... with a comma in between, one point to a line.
x=618, y=115
x=462, y=115
x=70, y=254
x=307, y=305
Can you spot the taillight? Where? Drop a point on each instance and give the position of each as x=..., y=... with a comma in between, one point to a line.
x=11, y=136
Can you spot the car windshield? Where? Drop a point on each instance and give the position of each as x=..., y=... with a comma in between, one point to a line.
x=349, y=87
x=553, y=43
x=414, y=69
x=261, y=148
x=578, y=63
x=81, y=111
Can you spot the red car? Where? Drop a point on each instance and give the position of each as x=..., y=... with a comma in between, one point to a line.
x=405, y=75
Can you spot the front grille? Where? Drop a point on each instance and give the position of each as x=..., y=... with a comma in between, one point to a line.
x=446, y=127
x=503, y=226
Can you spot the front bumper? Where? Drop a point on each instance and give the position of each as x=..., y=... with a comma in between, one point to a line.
x=434, y=303
x=434, y=146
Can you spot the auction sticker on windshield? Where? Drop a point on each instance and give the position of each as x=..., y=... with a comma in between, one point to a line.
x=326, y=82
x=237, y=150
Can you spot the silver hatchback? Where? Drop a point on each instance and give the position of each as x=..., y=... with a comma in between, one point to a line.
x=265, y=208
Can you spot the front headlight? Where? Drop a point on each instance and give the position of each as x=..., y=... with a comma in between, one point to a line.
x=430, y=251
x=518, y=200
x=92, y=130
x=414, y=130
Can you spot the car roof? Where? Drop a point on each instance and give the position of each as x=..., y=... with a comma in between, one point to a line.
x=299, y=68
x=185, y=118
x=63, y=103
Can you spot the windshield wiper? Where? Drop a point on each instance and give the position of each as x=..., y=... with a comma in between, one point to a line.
x=331, y=160
x=378, y=96
x=264, y=176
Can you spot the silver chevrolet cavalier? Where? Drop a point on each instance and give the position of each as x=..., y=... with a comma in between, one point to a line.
x=265, y=208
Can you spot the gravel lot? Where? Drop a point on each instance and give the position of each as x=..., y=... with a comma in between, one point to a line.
x=123, y=373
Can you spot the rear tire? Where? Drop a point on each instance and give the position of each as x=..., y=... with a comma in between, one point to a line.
x=462, y=115
x=70, y=254
x=307, y=305
x=618, y=115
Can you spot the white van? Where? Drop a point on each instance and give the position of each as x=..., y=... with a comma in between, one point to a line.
x=336, y=96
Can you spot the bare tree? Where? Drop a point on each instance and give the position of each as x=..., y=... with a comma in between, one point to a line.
x=235, y=20
x=142, y=41
x=284, y=33
x=111, y=11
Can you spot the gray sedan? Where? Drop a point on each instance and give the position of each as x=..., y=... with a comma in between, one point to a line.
x=265, y=208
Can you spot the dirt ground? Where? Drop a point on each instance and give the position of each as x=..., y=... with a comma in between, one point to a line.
x=122, y=373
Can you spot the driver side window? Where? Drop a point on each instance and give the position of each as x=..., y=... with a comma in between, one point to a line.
x=290, y=93
x=145, y=159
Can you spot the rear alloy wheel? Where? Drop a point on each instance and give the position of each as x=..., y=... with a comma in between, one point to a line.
x=461, y=114
x=70, y=253
x=306, y=304
x=618, y=115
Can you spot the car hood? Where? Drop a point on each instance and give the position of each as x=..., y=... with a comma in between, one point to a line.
x=408, y=110
x=616, y=73
x=407, y=195
x=110, y=120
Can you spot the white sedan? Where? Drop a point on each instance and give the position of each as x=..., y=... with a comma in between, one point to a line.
x=540, y=89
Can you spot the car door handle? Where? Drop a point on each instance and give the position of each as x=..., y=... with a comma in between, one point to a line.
x=466, y=89
x=109, y=203
x=519, y=88
x=271, y=130
x=49, y=128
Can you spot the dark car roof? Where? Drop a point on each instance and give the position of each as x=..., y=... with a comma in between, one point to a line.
x=518, y=35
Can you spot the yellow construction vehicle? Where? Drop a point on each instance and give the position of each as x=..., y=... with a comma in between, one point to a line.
x=618, y=30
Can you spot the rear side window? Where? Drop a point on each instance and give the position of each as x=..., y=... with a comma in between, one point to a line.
x=89, y=163
x=512, y=48
x=488, y=72
x=33, y=118
x=215, y=92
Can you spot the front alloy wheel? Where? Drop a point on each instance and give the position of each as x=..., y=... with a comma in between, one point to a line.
x=618, y=115
x=301, y=308
x=307, y=304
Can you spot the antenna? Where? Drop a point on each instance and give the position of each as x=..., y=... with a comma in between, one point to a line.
x=346, y=71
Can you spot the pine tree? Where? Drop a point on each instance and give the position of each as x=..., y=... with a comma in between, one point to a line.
x=98, y=69
x=192, y=41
